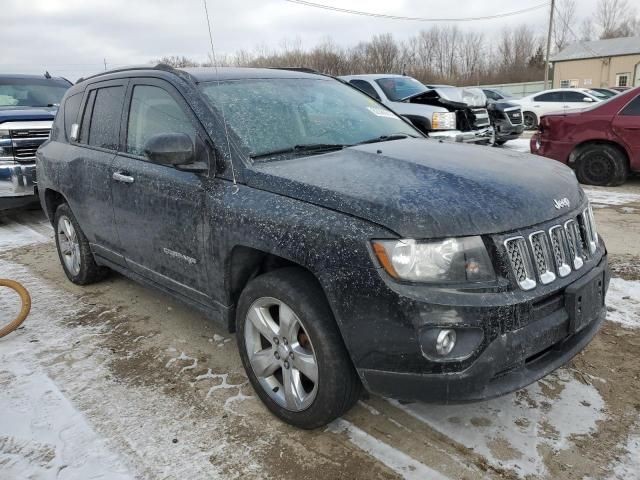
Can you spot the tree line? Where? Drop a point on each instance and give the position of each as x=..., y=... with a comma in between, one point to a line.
x=446, y=54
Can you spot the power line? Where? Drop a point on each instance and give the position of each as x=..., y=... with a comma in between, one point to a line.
x=415, y=19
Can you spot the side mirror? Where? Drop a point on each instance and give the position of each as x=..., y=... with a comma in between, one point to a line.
x=170, y=149
x=587, y=99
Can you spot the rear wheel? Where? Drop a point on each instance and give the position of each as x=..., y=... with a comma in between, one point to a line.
x=73, y=249
x=292, y=350
x=530, y=120
x=602, y=165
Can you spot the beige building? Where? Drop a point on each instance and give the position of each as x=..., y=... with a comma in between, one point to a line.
x=603, y=63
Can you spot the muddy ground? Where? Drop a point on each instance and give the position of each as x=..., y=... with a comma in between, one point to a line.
x=165, y=391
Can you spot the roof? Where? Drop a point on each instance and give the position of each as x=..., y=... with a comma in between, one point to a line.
x=209, y=74
x=599, y=48
x=373, y=76
x=31, y=77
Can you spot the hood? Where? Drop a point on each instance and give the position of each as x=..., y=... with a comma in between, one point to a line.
x=502, y=105
x=25, y=114
x=422, y=188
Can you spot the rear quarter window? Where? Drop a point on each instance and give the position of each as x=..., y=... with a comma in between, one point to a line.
x=71, y=107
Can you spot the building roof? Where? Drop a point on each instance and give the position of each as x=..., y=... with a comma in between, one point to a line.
x=599, y=48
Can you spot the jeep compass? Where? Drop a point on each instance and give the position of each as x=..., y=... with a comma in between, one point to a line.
x=344, y=248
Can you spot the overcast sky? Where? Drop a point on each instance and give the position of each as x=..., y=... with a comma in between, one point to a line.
x=72, y=37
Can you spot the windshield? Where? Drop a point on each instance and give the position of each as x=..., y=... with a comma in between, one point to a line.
x=31, y=92
x=399, y=88
x=271, y=115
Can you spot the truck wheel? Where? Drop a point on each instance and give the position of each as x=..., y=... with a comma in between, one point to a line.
x=530, y=120
x=602, y=165
x=73, y=249
x=292, y=350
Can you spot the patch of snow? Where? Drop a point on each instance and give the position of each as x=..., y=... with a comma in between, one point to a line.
x=611, y=197
x=519, y=145
x=14, y=234
x=623, y=302
x=368, y=407
x=396, y=460
x=629, y=467
x=509, y=431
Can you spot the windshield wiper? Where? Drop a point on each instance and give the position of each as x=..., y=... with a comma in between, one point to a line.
x=385, y=138
x=306, y=148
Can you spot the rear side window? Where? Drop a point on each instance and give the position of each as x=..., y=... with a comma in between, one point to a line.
x=154, y=111
x=575, y=97
x=365, y=87
x=549, y=97
x=71, y=107
x=105, y=118
x=633, y=108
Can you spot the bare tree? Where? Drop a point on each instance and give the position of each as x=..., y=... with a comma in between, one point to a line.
x=177, y=61
x=564, y=16
x=586, y=30
x=615, y=18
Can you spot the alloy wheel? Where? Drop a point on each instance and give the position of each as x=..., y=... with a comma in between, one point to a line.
x=69, y=245
x=281, y=354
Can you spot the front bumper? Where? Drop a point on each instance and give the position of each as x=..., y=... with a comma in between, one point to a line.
x=511, y=361
x=507, y=131
x=474, y=136
x=17, y=179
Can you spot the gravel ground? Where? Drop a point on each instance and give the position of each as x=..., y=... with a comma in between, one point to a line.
x=116, y=381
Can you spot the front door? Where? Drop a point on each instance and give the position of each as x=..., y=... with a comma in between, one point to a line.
x=159, y=210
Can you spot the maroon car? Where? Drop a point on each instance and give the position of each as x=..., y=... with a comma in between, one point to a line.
x=601, y=143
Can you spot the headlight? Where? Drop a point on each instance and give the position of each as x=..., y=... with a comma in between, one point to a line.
x=443, y=121
x=456, y=260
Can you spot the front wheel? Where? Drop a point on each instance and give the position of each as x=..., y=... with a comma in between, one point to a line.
x=292, y=350
x=530, y=120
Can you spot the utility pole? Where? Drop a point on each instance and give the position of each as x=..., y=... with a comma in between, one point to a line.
x=105, y=63
x=546, y=60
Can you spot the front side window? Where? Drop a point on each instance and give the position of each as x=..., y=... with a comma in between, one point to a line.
x=275, y=114
x=31, y=92
x=104, y=125
x=154, y=111
x=576, y=97
x=492, y=95
x=399, y=88
x=366, y=87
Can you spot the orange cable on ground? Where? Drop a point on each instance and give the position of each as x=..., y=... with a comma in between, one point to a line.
x=24, y=311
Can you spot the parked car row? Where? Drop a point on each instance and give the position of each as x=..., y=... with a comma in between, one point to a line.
x=601, y=142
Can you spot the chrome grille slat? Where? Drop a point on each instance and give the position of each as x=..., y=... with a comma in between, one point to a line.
x=520, y=260
x=574, y=240
x=542, y=257
x=559, y=247
x=30, y=133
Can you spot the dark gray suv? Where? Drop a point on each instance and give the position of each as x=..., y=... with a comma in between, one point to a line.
x=343, y=247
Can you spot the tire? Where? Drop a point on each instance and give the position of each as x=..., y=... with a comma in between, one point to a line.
x=309, y=334
x=73, y=248
x=530, y=120
x=602, y=165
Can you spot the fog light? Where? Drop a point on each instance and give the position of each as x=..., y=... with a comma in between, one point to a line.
x=446, y=341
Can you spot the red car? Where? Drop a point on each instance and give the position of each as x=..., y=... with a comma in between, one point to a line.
x=601, y=143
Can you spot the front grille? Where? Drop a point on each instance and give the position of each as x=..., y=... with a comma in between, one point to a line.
x=24, y=152
x=481, y=117
x=514, y=116
x=553, y=253
x=30, y=133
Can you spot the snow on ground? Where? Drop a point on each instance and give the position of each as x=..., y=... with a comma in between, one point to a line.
x=397, y=461
x=623, y=300
x=610, y=196
x=16, y=234
x=511, y=431
x=519, y=145
x=629, y=467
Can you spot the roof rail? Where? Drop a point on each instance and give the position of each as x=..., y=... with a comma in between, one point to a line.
x=298, y=69
x=159, y=66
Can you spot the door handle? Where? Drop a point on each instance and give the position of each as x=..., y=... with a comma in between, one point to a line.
x=121, y=177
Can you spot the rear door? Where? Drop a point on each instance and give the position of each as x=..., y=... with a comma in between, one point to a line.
x=626, y=126
x=159, y=210
x=87, y=179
